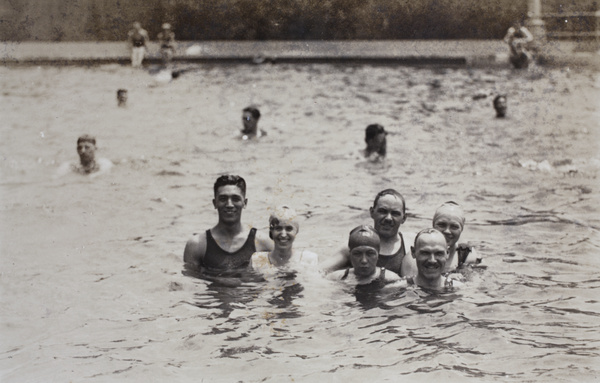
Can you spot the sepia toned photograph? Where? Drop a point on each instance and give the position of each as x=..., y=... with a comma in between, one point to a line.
x=300, y=191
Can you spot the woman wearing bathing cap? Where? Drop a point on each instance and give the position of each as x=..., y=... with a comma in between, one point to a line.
x=449, y=218
x=283, y=228
x=363, y=244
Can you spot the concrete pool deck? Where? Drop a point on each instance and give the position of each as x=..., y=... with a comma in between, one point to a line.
x=401, y=52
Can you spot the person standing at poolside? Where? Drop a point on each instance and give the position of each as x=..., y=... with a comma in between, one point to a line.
x=517, y=37
x=166, y=39
x=229, y=244
x=388, y=213
x=363, y=247
x=431, y=254
x=88, y=163
x=138, y=37
x=449, y=219
x=283, y=228
x=250, y=117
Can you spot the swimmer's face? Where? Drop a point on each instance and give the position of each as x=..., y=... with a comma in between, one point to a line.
x=364, y=260
x=450, y=226
x=229, y=202
x=284, y=233
x=431, y=255
x=249, y=122
x=86, y=151
x=388, y=215
x=500, y=107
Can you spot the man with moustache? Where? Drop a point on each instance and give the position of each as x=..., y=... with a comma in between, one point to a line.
x=431, y=254
x=229, y=244
x=388, y=213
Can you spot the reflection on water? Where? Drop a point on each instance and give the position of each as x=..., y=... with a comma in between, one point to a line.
x=92, y=271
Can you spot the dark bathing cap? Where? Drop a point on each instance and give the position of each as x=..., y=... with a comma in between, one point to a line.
x=363, y=235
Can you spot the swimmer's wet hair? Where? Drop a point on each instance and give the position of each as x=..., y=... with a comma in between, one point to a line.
x=86, y=138
x=497, y=98
x=253, y=111
x=372, y=130
x=229, y=179
x=426, y=231
x=393, y=192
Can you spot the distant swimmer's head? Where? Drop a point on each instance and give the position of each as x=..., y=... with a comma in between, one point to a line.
x=283, y=226
x=500, y=105
x=375, y=139
x=166, y=26
x=250, y=117
x=122, y=97
x=431, y=253
x=388, y=213
x=364, y=250
x=86, y=148
x=137, y=25
x=449, y=219
x=230, y=198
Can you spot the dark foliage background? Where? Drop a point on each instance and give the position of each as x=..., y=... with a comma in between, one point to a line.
x=109, y=20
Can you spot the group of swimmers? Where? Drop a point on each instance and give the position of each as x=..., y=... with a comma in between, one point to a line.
x=377, y=254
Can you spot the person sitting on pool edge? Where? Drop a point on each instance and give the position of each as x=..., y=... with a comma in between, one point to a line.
x=363, y=245
x=376, y=143
x=283, y=228
x=500, y=105
x=229, y=244
x=449, y=219
x=250, y=117
x=88, y=163
x=431, y=254
x=388, y=213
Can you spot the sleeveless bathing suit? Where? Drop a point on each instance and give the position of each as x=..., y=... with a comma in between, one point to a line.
x=393, y=262
x=218, y=258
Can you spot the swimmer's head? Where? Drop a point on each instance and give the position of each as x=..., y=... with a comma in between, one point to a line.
x=86, y=148
x=500, y=105
x=229, y=179
x=166, y=26
x=430, y=253
x=250, y=117
x=375, y=139
x=122, y=97
x=449, y=219
x=137, y=25
x=363, y=235
x=394, y=193
x=364, y=250
x=283, y=225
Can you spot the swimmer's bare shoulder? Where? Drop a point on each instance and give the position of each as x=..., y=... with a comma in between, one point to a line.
x=195, y=249
x=309, y=258
x=262, y=242
x=336, y=275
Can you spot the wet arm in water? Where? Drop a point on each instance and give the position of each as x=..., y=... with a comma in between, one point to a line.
x=337, y=261
x=194, y=251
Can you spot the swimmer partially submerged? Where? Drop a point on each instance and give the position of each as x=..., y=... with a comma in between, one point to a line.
x=283, y=229
x=449, y=219
x=88, y=163
x=250, y=117
x=364, y=244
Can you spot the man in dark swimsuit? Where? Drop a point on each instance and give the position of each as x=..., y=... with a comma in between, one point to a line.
x=363, y=245
x=388, y=213
x=228, y=245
